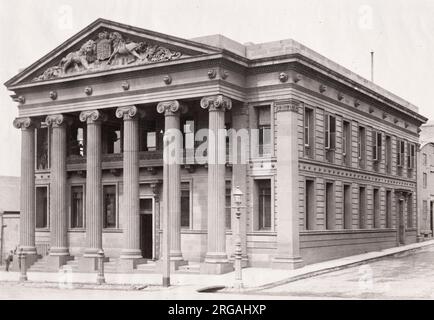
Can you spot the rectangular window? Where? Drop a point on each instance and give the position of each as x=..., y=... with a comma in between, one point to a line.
x=377, y=222
x=411, y=156
x=346, y=142
x=330, y=132
x=362, y=207
x=330, y=206
x=112, y=138
x=362, y=147
x=228, y=204
x=308, y=132
x=264, y=127
x=148, y=135
x=109, y=206
x=376, y=146
x=189, y=135
x=425, y=181
x=42, y=148
x=388, y=153
x=310, y=219
x=400, y=153
x=42, y=207
x=77, y=207
x=76, y=140
x=264, y=204
x=348, y=221
x=185, y=205
x=424, y=159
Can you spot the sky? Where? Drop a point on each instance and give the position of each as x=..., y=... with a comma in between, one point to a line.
x=400, y=32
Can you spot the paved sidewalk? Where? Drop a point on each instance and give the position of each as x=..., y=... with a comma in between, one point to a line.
x=253, y=278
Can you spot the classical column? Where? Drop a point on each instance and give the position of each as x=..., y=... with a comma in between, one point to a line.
x=27, y=195
x=288, y=243
x=172, y=176
x=131, y=254
x=240, y=144
x=94, y=214
x=216, y=259
x=59, y=253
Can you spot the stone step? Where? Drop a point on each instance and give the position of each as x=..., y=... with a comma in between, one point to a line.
x=190, y=268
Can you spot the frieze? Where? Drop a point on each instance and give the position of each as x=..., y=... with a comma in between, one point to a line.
x=315, y=169
x=108, y=50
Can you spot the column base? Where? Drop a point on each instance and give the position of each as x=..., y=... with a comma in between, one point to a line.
x=216, y=267
x=30, y=260
x=129, y=264
x=54, y=261
x=174, y=264
x=287, y=263
x=89, y=263
x=216, y=263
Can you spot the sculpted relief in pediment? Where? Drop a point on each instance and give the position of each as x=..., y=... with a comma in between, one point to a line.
x=106, y=51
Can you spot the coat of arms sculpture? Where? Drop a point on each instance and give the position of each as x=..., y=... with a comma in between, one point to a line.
x=108, y=50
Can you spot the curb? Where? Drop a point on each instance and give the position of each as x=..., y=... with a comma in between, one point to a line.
x=311, y=274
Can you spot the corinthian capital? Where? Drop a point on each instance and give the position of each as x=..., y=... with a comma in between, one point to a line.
x=23, y=123
x=92, y=116
x=216, y=103
x=171, y=108
x=57, y=120
x=129, y=112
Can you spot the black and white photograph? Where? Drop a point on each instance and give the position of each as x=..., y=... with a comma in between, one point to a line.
x=192, y=151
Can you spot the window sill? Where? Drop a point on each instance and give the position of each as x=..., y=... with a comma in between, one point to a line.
x=42, y=230
x=76, y=230
x=112, y=230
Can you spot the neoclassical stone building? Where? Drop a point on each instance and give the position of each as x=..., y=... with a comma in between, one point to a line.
x=330, y=158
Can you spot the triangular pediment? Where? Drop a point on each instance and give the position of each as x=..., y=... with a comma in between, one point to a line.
x=106, y=45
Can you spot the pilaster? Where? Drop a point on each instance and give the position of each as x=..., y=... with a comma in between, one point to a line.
x=288, y=246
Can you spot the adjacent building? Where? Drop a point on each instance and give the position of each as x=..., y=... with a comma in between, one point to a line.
x=326, y=160
x=9, y=215
x=426, y=183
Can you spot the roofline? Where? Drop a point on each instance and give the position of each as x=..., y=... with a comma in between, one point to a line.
x=357, y=82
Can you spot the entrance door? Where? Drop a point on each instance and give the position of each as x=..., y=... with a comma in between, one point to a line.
x=401, y=224
x=431, y=218
x=146, y=227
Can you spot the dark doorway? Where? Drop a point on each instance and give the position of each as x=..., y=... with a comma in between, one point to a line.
x=146, y=238
x=401, y=222
x=431, y=218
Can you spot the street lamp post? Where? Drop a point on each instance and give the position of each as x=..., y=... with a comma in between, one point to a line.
x=238, y=195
